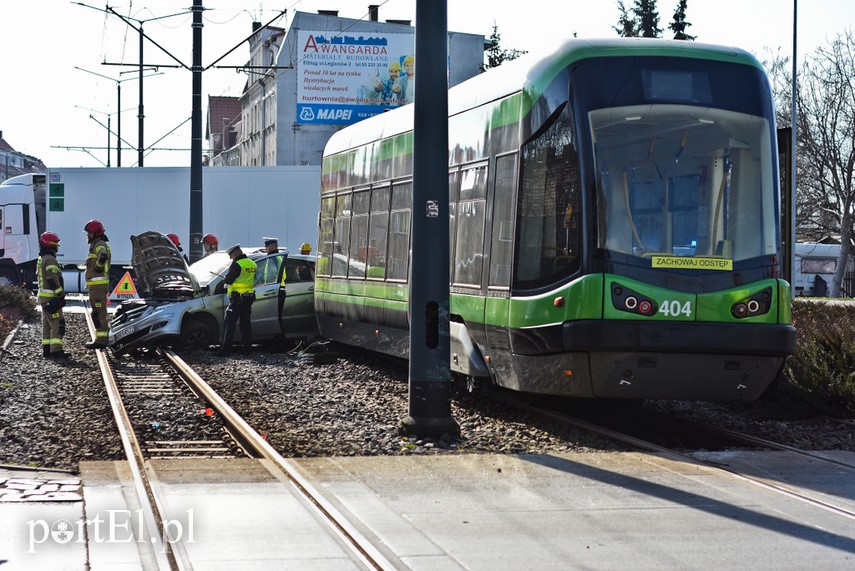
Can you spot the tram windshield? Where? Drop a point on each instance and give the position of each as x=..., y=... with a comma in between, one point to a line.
x=683, y=180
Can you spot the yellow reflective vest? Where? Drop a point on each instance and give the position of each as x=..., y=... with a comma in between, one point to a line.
x=245, y=282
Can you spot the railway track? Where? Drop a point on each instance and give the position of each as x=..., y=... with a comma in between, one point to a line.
x=731, y=436
x=166, y=379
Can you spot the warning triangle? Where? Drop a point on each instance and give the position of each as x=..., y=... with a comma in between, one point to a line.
x=125, y=289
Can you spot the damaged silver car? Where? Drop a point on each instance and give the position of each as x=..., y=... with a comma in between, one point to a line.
x=182, y=306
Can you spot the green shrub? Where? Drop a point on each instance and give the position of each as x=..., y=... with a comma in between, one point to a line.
x=821, y=371
x=16, y=298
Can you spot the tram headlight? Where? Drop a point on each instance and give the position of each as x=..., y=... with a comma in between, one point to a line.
x=757, y=304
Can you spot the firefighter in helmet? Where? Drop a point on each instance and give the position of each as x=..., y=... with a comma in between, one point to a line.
x=210, y=244
x=177, y=241
x=98, y=281
x=51, y=297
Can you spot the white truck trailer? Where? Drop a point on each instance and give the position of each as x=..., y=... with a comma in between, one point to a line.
x=240, y=205
x=814, y=267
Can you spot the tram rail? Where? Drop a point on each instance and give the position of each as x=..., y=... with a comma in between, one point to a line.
x=171, y=555
x=164, y=551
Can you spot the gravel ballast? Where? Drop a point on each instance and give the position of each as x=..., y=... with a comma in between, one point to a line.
x=55, y=415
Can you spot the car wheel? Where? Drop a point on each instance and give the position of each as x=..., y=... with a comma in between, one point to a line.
x=194, y=335
x=8, y=276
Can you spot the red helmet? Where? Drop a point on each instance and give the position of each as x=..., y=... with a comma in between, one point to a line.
x=175, y=239
x=95, y=227
x=49, y=240
x=210, y=239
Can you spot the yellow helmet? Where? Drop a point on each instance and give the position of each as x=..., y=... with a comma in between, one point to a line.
x=306, y=248
x=394, y=66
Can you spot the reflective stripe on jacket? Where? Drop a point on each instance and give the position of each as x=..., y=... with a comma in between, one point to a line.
x=245, y=282
x=48, y=274
x=96, y=272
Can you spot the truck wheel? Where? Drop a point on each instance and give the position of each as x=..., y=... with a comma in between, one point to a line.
x=194, y=335
x=8, y=276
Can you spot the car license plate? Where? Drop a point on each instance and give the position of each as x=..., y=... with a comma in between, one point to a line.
x=125, y=332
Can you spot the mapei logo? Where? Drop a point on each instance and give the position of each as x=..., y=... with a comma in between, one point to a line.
x=306, y=114
x=333, y=114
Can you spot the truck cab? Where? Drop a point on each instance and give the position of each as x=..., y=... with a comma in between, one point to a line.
x=22, y=220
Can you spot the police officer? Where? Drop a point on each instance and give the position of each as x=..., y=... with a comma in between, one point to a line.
x=51, y=297
x=209, y=244
x=98, y=281
x=240, y=280
x=271, y=270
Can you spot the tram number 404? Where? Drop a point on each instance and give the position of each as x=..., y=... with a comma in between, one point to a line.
x=676, y=308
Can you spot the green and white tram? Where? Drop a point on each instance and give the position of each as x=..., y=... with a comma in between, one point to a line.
x=614, y=225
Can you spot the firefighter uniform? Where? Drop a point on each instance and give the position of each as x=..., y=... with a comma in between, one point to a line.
x=98, y=283
x=51, y=297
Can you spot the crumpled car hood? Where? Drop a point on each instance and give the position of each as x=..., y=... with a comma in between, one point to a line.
x=160, y=268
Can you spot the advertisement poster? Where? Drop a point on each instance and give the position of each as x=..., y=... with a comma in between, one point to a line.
x=343, y=79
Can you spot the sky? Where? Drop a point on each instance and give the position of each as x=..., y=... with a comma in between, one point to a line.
x=52, y=110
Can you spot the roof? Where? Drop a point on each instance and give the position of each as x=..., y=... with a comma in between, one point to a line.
x=529, y=74
x=222, y=111
x=15, y=163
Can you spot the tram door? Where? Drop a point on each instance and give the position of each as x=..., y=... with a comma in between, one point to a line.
x=499, y=247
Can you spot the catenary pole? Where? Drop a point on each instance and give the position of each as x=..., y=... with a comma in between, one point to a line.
x=196, y=138
x=141, y=112
x=429, y=374
x=793, y=147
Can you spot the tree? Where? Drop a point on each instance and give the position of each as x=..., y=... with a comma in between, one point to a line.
x=644, y=21
x=496, y=55
x=826, y=138
x=626, y=27
x=679, y=24
x=825, y=143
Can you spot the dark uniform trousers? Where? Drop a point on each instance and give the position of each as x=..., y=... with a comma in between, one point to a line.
x=240, y=308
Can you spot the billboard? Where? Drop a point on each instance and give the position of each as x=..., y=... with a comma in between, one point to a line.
x=343, y=79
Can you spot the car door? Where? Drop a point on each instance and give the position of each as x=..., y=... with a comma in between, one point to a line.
x=265, y=310
x=298, y=313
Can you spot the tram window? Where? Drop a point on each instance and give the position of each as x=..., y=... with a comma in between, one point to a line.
x=469, y=238
x=359, y=234
x=685, y=181
x=341, y=245
x=399, y=232
x=378, y=228
x=548, y=237
x=453, y=193
x=503, y=232
x=326, y=235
